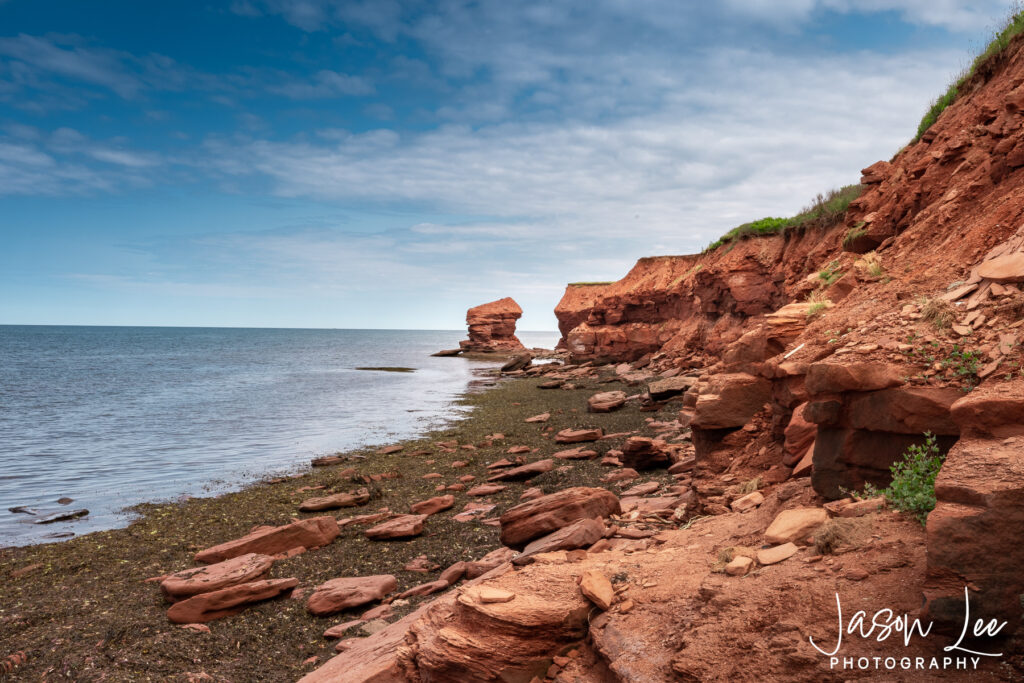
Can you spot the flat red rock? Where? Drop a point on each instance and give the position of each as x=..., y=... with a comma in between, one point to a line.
x=579, y=453
x=533, y=519
x=226, y=601
x=578, y=435
x=344, y=593
x=337, y=500
x=485, y=489
x=403, y=526
x=432, y=505
x=308, y=533
x=241, y=569
x=525, y=472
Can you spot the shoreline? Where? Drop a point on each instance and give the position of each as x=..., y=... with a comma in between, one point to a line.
x=105, y=571
x=106, y=513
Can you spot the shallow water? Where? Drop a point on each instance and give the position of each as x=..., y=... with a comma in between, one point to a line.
x=114, y=416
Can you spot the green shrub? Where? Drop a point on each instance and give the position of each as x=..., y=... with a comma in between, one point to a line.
x=1014, y=25
x=913, y=480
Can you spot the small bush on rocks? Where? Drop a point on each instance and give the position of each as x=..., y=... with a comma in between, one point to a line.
x=913, y=480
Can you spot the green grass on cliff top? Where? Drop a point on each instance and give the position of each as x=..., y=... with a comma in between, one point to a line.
x=1013, y=26
x=828, y=210
x=825, y=211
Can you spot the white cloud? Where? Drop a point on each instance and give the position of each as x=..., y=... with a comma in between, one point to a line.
x=747, y=134
x=324, y=83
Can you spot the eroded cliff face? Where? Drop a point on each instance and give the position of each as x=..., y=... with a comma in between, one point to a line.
x=685, y=305
x=915, y=325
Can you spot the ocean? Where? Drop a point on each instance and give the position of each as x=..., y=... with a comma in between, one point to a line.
x=115, y=416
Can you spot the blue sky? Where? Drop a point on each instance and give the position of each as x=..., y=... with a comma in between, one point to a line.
x=335, y=163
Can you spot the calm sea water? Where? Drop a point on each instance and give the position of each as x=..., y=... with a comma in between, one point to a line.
x=114, y=416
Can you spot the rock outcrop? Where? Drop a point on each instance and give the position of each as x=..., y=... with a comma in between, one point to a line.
x=974, y=530
x=492, y=327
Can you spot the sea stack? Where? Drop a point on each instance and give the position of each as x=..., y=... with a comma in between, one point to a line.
x=492, y=327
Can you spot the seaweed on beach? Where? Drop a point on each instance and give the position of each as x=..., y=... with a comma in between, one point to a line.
x=82, y=609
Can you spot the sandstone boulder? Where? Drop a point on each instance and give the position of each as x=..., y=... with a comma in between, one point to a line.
x=606, y=401
x=836, y=377
x=307, y=533
x=578, y=453
x=524, y=472
x=226, y=601
x=1005, y=268
x=403, y=526
x=344, y=593
x=799, y=435
x=533, y=519
x=490, y=561
x=641, y=453
x=739, y=566
x=747, y=502
x=667, y=388
x=241, y=569
x=776, y=554
x=578, y=534
x=973, y=533
x=598, y=589
x=578, y=435
x=432, y=506
x=795, y=525
x=730, y=400
x=338, y=500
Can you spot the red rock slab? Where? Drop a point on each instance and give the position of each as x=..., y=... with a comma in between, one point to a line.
x=226, y=601
x=533, y=519
x=403, y=526
x=579, y=534
x=836, y=377
x=624, y=474
x=364, y=519
x=1005, y=268
x=327, y=461
x=338, y=500
x=454, y=573
x=543, y=417
x=485, y=489
x=490, y=561
x=338, y=630
x=421, y=564
x=388, y=450
x=432, y=505
x=344, y=593
x=498, y=464
x=518, y=450
x=531, y=494
x=579, y=453
x=641, y=453
x=578, y=435
x=606, y=401
x=241, y=569
x=642, y=489
x=425, y=589
x=473, y=511
x=308, y=533
x=525, y=472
